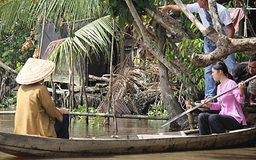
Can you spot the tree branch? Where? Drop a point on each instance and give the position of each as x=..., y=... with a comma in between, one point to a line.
x=215, y=17
x=225, y=46
x=147, y=42
x=8, y=68
x=169, y=23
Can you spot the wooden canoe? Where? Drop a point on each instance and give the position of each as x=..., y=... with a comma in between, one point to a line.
x=22, y=145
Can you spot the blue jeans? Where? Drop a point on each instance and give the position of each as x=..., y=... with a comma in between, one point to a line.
x=210, y=84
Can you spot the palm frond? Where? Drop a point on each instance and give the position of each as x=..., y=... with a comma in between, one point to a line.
x=30, y=13
x=11, y=12
x=119, y=89
x=95, y=36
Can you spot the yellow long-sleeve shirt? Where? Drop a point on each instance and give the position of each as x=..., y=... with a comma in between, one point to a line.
x=34, y=110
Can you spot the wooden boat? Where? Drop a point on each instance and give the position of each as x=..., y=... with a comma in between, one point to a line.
x=122, y=144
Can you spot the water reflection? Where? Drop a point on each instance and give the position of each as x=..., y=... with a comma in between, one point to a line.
x=132, y=126
x=124, y=126
x=6, y=123
x=79, y=128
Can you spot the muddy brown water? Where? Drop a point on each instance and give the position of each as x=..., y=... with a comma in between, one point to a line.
x=79, y=128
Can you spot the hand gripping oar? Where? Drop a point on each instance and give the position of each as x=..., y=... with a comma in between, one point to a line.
x=160, y=130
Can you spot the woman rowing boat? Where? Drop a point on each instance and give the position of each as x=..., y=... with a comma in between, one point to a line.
x=231, y=116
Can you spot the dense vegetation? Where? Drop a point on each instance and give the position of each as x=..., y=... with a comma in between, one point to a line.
x=13, y=38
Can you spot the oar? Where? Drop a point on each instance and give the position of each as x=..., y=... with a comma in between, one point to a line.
x=160, y=130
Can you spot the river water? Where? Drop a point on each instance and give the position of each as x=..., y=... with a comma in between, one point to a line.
x=79, y=128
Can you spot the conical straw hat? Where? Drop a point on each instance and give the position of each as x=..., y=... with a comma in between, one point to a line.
x=35, y=70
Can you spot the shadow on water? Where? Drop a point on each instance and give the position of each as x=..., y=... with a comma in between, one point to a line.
x=79, y=128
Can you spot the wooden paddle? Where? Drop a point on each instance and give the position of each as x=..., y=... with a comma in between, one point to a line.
x=160, y=130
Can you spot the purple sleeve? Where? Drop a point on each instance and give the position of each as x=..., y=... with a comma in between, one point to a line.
x=238, y=97
x=215, y=106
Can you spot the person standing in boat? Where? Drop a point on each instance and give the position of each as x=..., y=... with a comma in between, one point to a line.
x=36, y=113
x=231, y=116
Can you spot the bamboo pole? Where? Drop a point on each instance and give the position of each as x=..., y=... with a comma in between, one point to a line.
x=87, y=83
x=53, y=89
x=190, y=116
x=111, y=77
x=128, y=116
x=82, y=84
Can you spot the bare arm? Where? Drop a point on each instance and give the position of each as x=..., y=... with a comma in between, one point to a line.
x=166, y=8
x=63, y=110
x=231, y=30
x=241, y=86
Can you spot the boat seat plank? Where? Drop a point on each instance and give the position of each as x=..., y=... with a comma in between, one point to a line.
x=238, y=130
x=145, y=136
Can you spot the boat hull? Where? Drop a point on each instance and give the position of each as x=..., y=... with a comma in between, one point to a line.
x=22, y=145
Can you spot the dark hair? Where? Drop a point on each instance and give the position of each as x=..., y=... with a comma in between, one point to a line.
x=220, y=65
x=252, y=57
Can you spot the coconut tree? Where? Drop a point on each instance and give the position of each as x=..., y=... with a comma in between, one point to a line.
x=69, y=12
x=30, y=13
x=59, y=12
x=93, y=38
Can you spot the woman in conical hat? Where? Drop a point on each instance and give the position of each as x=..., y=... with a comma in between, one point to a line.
x=36, y=113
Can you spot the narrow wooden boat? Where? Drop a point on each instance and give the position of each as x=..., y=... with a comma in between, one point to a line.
x=122, y=144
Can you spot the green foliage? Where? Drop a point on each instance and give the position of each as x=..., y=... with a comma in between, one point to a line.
x=158, y=111
x=119, y=8
x=9, y=100
x=92, y=38
x=186, y=49
x=83, y=108
x=58, y=11
x=92, y=110
x=169, y=52
x=96, y=121
x=10, y=50
x=228, y=4
x=242, y=56
x=19, y=65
